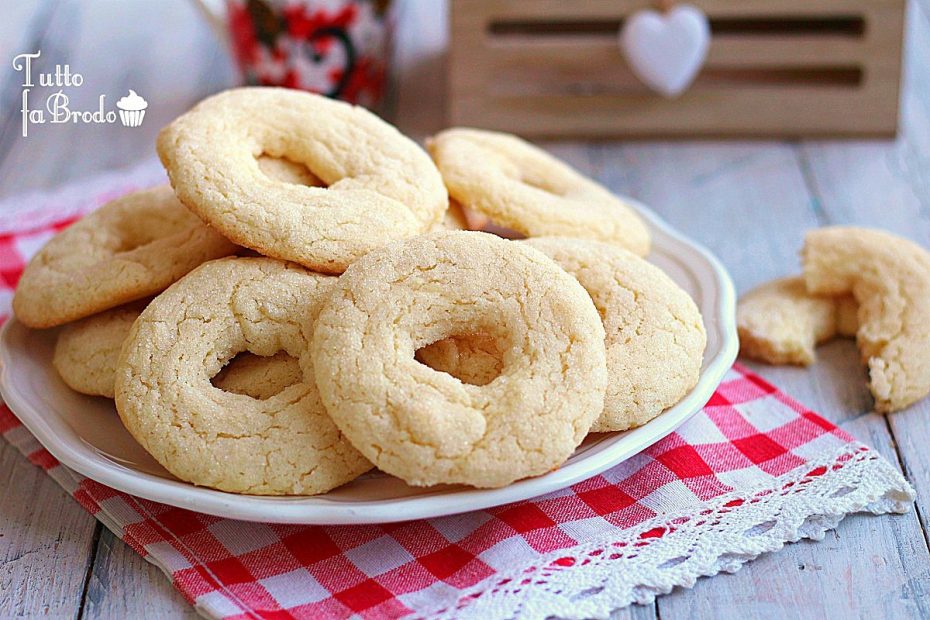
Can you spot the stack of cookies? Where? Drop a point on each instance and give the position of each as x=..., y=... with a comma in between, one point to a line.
x=304, y=303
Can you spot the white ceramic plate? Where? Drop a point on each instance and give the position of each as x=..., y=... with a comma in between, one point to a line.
x=85, y=434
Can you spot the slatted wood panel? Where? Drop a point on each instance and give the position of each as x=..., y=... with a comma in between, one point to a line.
x=775, y=67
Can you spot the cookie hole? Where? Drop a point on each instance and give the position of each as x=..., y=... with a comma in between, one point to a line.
x=542, y=184
x=475, y=359
x=130, y=244
x=132, y=234
x=289, y=171
x=502, y=231
x=257, y=376
x=478, y=221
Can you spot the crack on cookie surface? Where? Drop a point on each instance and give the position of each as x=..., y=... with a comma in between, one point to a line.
x=282, y=444
x=426, y=426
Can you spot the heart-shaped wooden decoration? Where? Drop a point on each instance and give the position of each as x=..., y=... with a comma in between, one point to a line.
x=666, y=50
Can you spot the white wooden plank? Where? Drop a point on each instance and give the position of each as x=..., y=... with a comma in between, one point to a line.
x=123, y=585
x=173, y=70
x=887, y=185
x=748, y=203
x=924, y=6
x=757, y=194
x=43, y=532
x=636, y=612
x=896, y=578
x=45, y=542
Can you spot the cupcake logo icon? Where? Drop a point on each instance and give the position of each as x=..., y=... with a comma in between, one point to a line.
x=54, y=105
x=132, y=109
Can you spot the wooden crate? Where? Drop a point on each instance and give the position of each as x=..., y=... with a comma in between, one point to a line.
x=784, y=68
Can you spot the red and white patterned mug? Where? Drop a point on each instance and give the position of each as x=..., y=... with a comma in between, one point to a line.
x=338, y=48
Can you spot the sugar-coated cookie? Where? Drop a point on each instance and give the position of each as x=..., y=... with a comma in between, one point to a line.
x=890, y=278
x=283, y=445
x=379, y=185
x=428, y=427
x=87, y=351
x=521, y=187
x=130, y=248
x=654, y=333
x=779, y=322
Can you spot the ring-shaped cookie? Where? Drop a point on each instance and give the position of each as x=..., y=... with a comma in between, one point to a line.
x=129, y=248
x=381, y=186
x=283, y=445
x=428, y=427
x=524, y=188
x=87, y=353
x=654, y=333
x=890, y=279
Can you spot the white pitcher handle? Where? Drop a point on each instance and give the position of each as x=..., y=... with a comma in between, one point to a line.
x=215, y=12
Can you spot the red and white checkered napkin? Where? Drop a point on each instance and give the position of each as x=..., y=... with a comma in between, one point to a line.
x=753, y=470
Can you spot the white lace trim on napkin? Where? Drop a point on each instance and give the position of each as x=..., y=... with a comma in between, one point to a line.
x=596, y=578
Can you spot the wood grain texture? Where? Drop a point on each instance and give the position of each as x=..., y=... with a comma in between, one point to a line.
x=554, y=69
x=887, y=185
x=759, y=195
x=46, y=542
x=123, y=585
x=636, y=612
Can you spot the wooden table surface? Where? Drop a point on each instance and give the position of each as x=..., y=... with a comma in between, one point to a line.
x=749, y=202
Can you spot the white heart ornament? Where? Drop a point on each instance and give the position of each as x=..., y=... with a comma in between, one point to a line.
x=666, y=51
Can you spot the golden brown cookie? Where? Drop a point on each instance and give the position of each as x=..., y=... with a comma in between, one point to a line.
x=130, y=248
x=654, y=333
x=779, y=322
x=890, y=279
x=379, y=185
x=283, y=445
x=521, y=187
x=87, y=351
x=428, y=427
